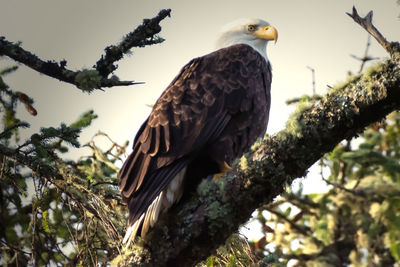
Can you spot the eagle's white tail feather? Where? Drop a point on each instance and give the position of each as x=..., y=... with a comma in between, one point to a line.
x=174, y=190
x=127, y=234
x=157, y=210
x=151, y=214
x=162, y=202
x=131, y=231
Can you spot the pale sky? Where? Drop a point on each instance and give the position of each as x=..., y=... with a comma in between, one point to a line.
x=314, y=33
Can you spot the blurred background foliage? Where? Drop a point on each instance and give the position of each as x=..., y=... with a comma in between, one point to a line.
x=355, y=223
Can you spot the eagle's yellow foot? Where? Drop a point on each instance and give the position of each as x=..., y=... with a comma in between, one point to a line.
x=224, y=168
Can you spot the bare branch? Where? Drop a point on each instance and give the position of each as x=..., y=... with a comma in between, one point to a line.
x=366, y=23
x=366, y=57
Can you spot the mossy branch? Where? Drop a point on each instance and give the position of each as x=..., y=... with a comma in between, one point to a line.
x=145, y=34
x=96, y=78
x=201, y=222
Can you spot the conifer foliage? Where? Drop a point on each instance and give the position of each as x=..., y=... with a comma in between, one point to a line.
x=55, y=211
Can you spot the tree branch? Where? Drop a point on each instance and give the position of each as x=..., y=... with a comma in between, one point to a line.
x=366, y=23
x=84, y=79
x=203, y=221
x=304, y=230
x=145, y=34
x=96, y=78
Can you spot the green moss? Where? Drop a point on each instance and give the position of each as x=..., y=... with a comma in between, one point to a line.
x=295, y=123
x=369, y=87
x=214, y=187
x=344, y=86
x=394, y=50
x=88, y=80
x=375, y=69
x=216, y=213
x=364, y=87
x=132, y=256
x=213, y=192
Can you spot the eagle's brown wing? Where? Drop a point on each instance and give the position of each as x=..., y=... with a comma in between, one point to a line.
x=212, y=103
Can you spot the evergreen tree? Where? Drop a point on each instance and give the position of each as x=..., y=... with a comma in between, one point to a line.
x=74, y=216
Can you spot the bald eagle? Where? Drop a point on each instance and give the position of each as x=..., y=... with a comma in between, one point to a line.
x=210, y=114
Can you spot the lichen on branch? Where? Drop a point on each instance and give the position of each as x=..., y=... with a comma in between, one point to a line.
x=96, y=78
x=145, y=34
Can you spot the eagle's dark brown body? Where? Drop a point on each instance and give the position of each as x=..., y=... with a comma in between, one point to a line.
x=212, y=112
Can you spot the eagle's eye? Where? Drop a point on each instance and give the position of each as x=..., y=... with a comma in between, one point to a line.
x=251, y=28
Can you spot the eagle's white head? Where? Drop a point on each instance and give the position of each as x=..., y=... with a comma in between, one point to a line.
x=253, y=32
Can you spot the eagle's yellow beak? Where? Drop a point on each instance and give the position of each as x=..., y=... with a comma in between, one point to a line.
x=266, y=33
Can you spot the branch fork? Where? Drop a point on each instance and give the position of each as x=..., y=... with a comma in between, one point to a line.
x=97, y=77
x=393, y=48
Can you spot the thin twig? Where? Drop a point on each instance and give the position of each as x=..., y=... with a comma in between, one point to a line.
x=313, y=79
x=366, y=57
x=359, y=193
x=114, y=144
x=301, y=229
x=107, y=183
x=15, y=248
